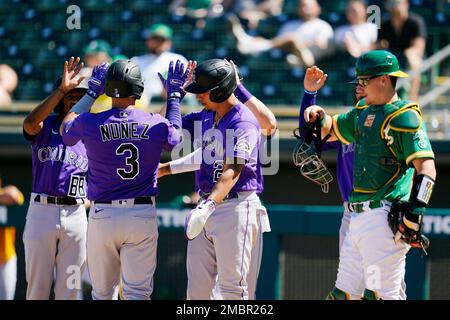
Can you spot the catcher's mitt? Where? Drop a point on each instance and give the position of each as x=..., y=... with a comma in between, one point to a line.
x=400, y=214
x=306, y=156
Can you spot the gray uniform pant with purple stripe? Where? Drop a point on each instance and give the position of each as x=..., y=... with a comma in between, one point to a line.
x=55, y=249
x=224, y=249
x=121, y=244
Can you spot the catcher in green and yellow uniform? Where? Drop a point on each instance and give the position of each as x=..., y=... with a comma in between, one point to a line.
x=393, y=178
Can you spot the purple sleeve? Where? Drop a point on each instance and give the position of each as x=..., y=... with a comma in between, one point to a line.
x=331, y=145
x=73, y=131
x=242, y=93
x=309, y=98
x=245, y=141
x=173, y=113
x=187, y=121
x=173, y=137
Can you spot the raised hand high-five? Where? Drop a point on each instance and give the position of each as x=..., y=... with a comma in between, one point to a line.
x=314, y=79
x=97, y=82
x=177, y=78
x=69, y=79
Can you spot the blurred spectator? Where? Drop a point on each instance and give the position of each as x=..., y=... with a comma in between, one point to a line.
x=358, y=36
x=159, y=43
x=197, y=9
x=8, y=83
x=404, y=34
x=96, y=52
x=9, y=195
x=307, y=39
x=254, y=10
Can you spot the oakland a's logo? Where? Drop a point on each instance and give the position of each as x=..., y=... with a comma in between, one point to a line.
x=389, y=60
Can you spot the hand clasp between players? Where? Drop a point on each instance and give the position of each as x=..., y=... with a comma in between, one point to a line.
x=97, y=82
x=177, y=76
x=312, y=112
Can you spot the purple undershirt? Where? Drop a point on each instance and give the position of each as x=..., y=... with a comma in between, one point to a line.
x=345, y=153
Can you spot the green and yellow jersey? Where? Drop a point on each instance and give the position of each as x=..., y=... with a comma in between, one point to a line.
x=387, y=139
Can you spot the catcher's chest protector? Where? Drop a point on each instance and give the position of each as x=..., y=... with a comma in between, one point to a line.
x=375, y=164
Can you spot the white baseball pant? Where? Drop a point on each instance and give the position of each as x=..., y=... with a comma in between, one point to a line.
x=55, y=245
x=8, y=279
x=255, y=263
x=224, y=249
x=121, y=244
x=370, y=259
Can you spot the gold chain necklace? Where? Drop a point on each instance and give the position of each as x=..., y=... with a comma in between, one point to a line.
x=216, y=120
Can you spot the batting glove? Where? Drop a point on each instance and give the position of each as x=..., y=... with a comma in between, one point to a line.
x=176, y=77
x=97, y=82
x=196, y=219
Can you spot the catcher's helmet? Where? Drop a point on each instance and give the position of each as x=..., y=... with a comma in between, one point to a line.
x=378, y=63
x=83, y=86
x=216, y=75
x=124, y=80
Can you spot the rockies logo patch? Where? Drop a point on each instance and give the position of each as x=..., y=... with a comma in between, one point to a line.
x=242, y=146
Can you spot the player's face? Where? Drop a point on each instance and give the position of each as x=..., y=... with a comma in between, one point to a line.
x=71, y=98
x=204, y=100
x=359, y=93
x=371, y=87
x=365, y=87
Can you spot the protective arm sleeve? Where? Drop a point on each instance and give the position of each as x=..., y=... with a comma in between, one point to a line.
x=309, y=99
x=173, y=113
x=188, y=163
x=83, y=105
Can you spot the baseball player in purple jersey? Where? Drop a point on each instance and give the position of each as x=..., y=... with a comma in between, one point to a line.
x=221, y=244
x=314, y=80
x=124, y=146
x=193, y=161
x=55, y=230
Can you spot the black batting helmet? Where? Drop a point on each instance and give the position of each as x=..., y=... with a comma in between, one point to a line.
x=124, y=80
x=216, y=75
x=83, y=86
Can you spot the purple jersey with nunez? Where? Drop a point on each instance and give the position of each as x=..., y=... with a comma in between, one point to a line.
x=189, y=122
x=124, y=148
x=344, y=164
x=58, y=170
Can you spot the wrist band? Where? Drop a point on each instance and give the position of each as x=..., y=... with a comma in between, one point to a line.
x=310, y=92
x=242, y=94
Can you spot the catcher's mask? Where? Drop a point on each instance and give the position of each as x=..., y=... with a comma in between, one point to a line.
x=307, y=157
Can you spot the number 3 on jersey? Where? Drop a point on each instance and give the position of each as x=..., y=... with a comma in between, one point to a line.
x=131, y=160
x=218, y=170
